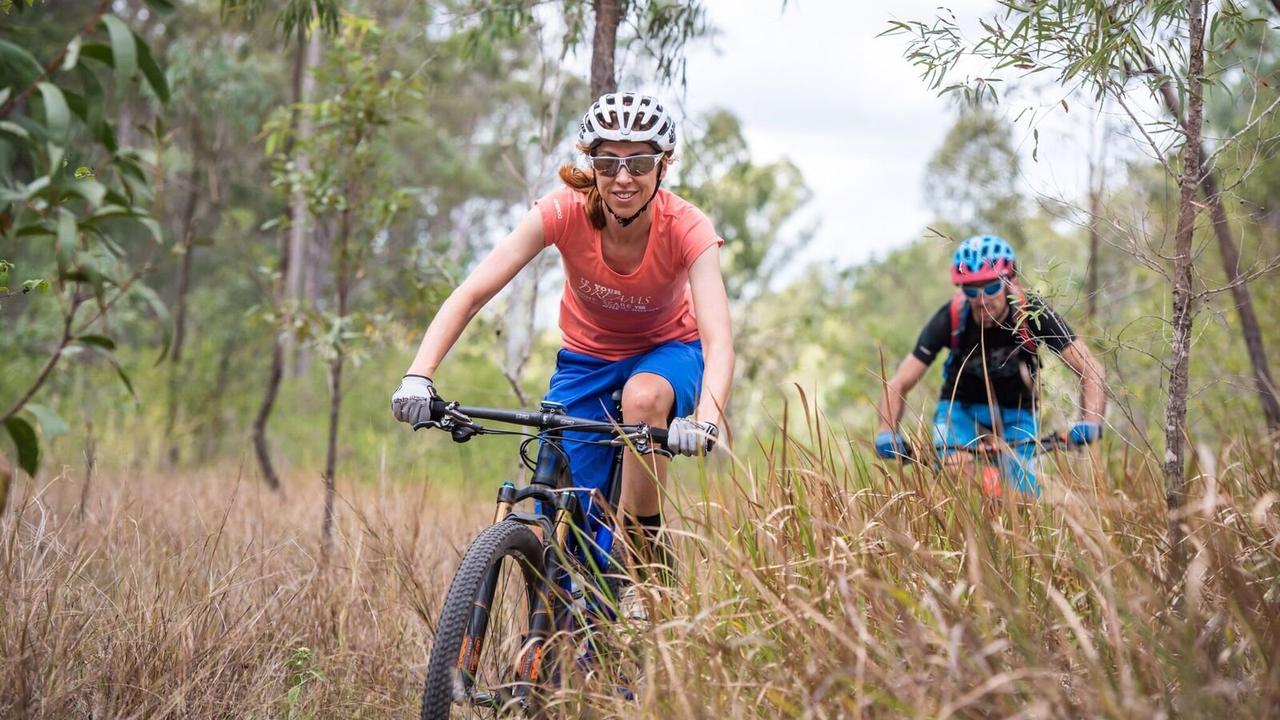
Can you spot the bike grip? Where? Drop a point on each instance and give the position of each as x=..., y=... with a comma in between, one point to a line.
x=437, y=411
x=659, y=436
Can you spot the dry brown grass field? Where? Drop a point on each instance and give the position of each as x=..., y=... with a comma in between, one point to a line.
x=811, y=585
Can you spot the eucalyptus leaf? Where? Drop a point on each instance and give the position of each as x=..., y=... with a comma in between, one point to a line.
x=124, y=49
x=98, y=341
x=87, y=187
x=22, y=67
x=77, y=103
x=152, y=298
x=51, y=424
x=100, y=52
x=124, y=377
x=73, y=53
x=14, y=129
x=24, y=438
x=151, y=71
x=56, y=113
x=68, y=237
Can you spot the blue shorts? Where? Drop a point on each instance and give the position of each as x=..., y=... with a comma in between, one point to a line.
x=959, y=424
x=584, y=385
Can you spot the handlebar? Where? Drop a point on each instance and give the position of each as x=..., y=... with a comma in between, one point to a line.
x=989, y=445
x=459, y=420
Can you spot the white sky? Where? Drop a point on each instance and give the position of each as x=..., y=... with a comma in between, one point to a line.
x=814, y=83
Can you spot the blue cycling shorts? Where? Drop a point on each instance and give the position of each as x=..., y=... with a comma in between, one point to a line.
x=959, y=424
x=584, y=385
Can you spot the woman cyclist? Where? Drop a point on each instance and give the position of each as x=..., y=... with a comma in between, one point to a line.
x=644, y=308
x=993, y=330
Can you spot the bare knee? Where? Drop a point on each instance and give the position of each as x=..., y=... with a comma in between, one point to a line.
x=647, y=398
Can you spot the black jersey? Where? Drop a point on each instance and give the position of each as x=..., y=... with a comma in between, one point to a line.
x=1009, y=367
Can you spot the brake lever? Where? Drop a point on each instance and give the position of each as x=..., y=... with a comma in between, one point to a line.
x=643, y=442
x=449, y=420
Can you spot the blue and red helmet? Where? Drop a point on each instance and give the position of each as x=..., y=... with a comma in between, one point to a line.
x=983, y=258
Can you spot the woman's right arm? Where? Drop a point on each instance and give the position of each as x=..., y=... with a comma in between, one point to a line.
x=493, y=273
x=896, y=390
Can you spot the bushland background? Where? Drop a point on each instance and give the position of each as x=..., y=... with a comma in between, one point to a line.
x=224, y=226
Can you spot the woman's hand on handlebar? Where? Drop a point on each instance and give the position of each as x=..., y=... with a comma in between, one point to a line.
x=411, y=402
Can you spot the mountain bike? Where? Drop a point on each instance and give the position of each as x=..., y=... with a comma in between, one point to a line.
x=535, y=575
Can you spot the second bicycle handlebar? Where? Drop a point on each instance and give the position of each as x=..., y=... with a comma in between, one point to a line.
x=994, y=446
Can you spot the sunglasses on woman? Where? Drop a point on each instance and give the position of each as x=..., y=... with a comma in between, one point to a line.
x=990, y=289
x=636, y=165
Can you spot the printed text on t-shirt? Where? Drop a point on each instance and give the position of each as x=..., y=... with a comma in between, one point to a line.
x=612, y=298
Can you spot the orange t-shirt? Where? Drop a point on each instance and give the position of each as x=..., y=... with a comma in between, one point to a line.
x=612, y=316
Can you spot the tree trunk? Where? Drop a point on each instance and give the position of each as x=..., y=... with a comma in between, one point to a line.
x=1244, y=307
x=216, y=430
x=1265, y=386
x=90, y=465
x=283, y=345
x=1188, y=183
x=307, y=58
x=604, y=47
x=264, y=413
x=6, y=478
x=183, y=285
x=520, y=326
x=1091, y=281
x=342, y=284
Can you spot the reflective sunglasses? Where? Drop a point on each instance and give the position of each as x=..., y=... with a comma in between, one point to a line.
x=990, y=289
x=637, y=165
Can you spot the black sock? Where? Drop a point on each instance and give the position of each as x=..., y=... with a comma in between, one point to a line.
x=652, y=557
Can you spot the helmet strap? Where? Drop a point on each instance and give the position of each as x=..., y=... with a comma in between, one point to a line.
x=625, y=221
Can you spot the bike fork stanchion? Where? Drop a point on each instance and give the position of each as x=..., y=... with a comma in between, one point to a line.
x=506, y=495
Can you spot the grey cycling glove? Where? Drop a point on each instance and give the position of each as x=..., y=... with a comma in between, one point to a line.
x=687, y=436
x=411, y=402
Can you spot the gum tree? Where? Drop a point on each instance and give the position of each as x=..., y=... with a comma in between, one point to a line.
x=77, y=238
x=350, y=194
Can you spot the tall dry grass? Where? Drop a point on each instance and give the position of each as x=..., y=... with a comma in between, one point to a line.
x=818, y=586
x=205, y=596
x=811, y=584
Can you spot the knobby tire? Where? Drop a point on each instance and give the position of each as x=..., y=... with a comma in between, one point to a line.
x=507, y=538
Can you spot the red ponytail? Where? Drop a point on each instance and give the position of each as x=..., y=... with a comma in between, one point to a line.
x=585, y=182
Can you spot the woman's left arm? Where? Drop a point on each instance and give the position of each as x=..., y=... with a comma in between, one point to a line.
x=1093, y=389
x=711, y=307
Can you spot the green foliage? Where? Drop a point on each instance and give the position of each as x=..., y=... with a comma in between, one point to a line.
x=7, y=6
x=75, y=213
x=346, y=179
x=295, y=20
x=24, y=438
x=1091, y=47
x=972, y=182
x=662, y=29
x=749, y=203
x=302, y=671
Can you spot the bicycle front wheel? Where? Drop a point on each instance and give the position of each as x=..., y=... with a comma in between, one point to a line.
x=481, y=654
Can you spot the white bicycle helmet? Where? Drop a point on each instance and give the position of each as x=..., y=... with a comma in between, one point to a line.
x=627, y=117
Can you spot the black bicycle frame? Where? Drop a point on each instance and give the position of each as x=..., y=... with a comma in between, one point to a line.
x=548, y=486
